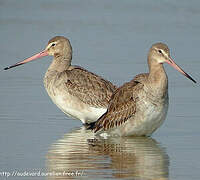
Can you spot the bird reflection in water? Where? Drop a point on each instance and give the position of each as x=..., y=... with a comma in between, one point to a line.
x=140, y=158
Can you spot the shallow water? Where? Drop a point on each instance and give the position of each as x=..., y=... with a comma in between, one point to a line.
x=110, y=38
x=128, y=158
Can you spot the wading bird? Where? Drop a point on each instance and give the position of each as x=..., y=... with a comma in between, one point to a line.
x=140, y=106
x=76, y=91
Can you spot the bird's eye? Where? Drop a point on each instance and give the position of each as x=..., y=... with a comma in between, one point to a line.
x=160, y=51
x=53, y=44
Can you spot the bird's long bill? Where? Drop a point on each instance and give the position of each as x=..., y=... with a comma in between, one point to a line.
x=34, y=57
x=175, y=66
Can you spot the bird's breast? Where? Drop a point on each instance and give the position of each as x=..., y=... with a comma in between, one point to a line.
x=151, y=114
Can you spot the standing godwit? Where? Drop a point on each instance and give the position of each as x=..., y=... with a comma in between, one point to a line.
x=140, y=106
x=76, y=91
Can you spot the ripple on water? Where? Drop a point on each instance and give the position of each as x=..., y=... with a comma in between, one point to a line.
x=124, y=158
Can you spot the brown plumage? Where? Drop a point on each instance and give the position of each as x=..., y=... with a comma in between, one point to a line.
x=122, y=105
x=98, y=91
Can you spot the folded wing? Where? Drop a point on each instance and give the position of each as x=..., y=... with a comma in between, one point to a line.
x=122, y=105
x=89, y=88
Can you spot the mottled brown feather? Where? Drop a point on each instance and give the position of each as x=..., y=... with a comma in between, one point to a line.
x=88, y=87
x=122, y=104
x=141, y=77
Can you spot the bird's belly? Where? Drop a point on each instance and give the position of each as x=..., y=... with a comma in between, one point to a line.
x=73, y=107
x=154, y=118
x=147, y=120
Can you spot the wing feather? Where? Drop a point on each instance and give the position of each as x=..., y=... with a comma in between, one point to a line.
x=88, y=87
x=122, y=105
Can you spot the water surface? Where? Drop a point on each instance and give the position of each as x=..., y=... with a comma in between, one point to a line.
x=129, y=158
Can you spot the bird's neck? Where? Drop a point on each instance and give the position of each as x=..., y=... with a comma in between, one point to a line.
x=157, y=79
x=60, y=63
